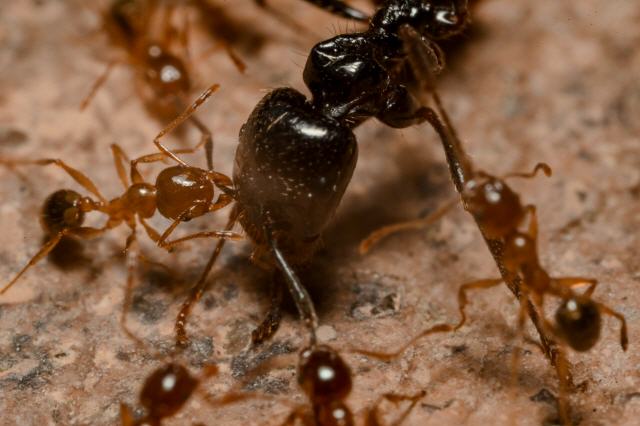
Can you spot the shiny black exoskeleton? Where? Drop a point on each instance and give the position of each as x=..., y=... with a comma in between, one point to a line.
x=296, y=155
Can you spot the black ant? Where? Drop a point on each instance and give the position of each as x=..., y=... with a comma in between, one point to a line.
x=500, y=215
x=296, y=156
x=180, y=193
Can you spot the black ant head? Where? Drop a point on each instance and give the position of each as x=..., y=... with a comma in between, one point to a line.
x=62, y=210
x=578, y=321
x=166, y=390
x=433, y=19
x=323, y=375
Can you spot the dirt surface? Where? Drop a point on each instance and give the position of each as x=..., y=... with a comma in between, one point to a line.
x=543, y=80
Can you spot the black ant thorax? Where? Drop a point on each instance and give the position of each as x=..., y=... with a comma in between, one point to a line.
x=353, y=77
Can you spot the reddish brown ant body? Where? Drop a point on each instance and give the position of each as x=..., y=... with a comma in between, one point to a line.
x=180, y=193
x=500, y=216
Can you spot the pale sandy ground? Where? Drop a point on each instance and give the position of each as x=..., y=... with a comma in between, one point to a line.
x=542, y=80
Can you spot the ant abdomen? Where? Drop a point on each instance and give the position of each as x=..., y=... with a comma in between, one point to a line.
x=62, y=210
x=291, y=169
x=166, y=390
x=323, y=375
x=183, y=192
x=165, y=72
x=579, y=322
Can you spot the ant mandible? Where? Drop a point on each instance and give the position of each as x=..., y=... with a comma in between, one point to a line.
x=296, y=156
x=180, y=193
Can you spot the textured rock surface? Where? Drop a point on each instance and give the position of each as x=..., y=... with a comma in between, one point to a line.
x=536, y=81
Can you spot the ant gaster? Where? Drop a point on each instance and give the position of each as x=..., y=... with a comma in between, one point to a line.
x=180, y=193
x=296, y=156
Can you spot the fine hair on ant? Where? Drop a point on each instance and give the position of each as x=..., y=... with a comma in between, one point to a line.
x=296, y=155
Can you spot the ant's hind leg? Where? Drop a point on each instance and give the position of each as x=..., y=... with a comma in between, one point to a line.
x=379, y=234
x=41, y=254
x=186, y=114
x=462, y=295
x=100, y=81
x=132, y=251
x=372, y=417
x=271, y=321
x=198, y=289
x=301, y=297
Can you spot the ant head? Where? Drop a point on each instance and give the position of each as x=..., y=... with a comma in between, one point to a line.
x=494, y=205
x=434, y=19
x=183, y=192
x=578, y=321
x=325, y=378
x=165, y=72
x=142, y=199
x=166, y=390
x=62, y=210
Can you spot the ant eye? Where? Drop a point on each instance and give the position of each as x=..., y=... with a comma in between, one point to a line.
x=323, y=375
x=166, y=390
x=579, y=323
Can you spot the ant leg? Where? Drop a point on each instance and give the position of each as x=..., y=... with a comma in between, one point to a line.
x=544, y=167
x=150, y=230
x=223, y=201
x=98, y=84
x=126, y=416
x=624, y=339
x=271, y=321
x=222, y=235
x=378, y=234
x=335, y=7
x=390, y=356
x=301, y=297
x=119, y=159
x=44, y=250
x=206, y=139
x=372, y=419
x=570, y=283
x=462, y=295
x=131, y=248
x=75, y=174
x=179, y=120
x=198, y=289
x=516, y=353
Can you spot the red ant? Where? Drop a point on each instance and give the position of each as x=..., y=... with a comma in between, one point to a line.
x=500, y=215
x=180, y=193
